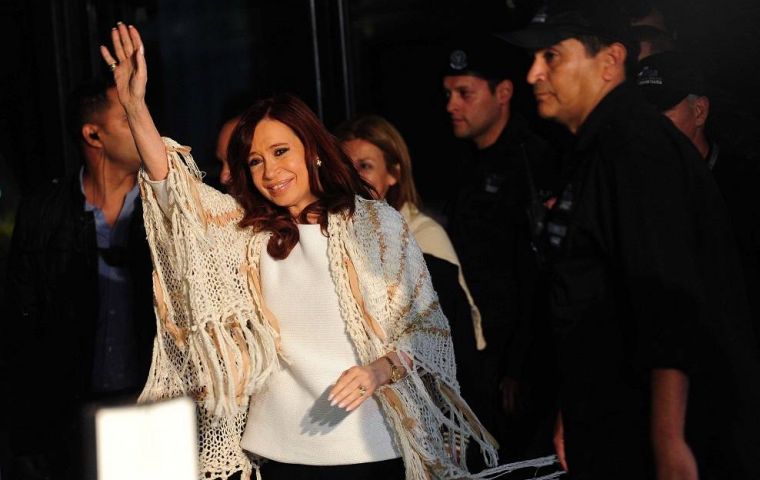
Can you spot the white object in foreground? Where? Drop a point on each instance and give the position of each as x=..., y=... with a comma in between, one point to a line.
x=150, y=441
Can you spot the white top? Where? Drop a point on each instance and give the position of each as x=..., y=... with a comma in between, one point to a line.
x=291, y=421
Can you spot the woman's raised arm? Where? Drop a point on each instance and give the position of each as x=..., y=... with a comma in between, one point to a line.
x=131, y=76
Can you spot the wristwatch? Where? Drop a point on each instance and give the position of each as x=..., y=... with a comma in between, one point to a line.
x=397, y=373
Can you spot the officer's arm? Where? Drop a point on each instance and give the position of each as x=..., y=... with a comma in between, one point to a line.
x=673, y=457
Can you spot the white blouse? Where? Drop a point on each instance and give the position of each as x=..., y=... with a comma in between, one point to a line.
x=291, y=421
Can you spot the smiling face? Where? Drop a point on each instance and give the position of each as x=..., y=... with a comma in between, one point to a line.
x=371, y=165
x=277, y=162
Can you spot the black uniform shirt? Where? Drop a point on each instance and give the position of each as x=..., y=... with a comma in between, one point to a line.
x=488, y=226
x=738, y=178
x=645, y=275
x=488, y=223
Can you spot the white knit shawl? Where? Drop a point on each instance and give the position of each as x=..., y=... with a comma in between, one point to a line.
x=217, y=341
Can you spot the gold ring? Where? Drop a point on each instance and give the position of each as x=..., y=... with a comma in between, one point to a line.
x=362, y=391
x=112, y=66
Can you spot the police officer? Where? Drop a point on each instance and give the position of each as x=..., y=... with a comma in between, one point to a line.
x=674, y=84
x=657, y=370
x=506, y=167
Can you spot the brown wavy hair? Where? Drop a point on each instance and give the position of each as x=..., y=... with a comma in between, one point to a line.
x=335, y=183
x=382, y=134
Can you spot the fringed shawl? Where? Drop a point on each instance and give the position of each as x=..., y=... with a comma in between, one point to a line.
x=218, y=342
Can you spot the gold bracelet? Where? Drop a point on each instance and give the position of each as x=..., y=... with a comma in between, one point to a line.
x=397, y=373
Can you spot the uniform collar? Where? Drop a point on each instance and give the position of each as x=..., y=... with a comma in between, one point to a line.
x=619, y=98
x=516, y=128
x=712, y=156
x=512, y=134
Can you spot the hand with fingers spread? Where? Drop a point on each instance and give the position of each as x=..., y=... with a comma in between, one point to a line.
x=130, y=73
x=129, y=68
x=358, y=383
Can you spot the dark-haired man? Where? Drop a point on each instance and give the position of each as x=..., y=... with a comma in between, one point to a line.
x=79, y=286
x=648, y=302
x=507, y=167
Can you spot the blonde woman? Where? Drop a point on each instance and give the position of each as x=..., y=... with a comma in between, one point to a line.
x=382, y=158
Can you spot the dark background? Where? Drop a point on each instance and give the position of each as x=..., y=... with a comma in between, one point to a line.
x=208, y=59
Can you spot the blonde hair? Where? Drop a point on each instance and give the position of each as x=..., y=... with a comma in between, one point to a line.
x=382, y=134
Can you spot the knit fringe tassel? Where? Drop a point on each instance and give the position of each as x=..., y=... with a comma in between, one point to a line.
x=461, y=423
x=467, y=423
x=227, y=356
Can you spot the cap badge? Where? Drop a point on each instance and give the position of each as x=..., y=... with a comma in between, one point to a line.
x=541, y=16
x=458, y=60
x=649, y=76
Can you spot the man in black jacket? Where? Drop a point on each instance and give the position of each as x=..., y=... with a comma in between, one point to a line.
x=676, y=87
x=79, y=291
x=507, y=167
x=657, y=366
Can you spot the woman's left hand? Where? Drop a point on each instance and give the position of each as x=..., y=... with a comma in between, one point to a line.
x=357, y=384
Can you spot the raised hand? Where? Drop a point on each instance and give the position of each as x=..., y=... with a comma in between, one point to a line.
x=129, y=69
x=131, y=76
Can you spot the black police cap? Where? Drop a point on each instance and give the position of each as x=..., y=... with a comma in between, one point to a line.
x=667, y=78
x=484, y=56
x=559, y=20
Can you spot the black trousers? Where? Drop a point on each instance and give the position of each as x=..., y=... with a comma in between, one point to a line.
x=385, y=470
